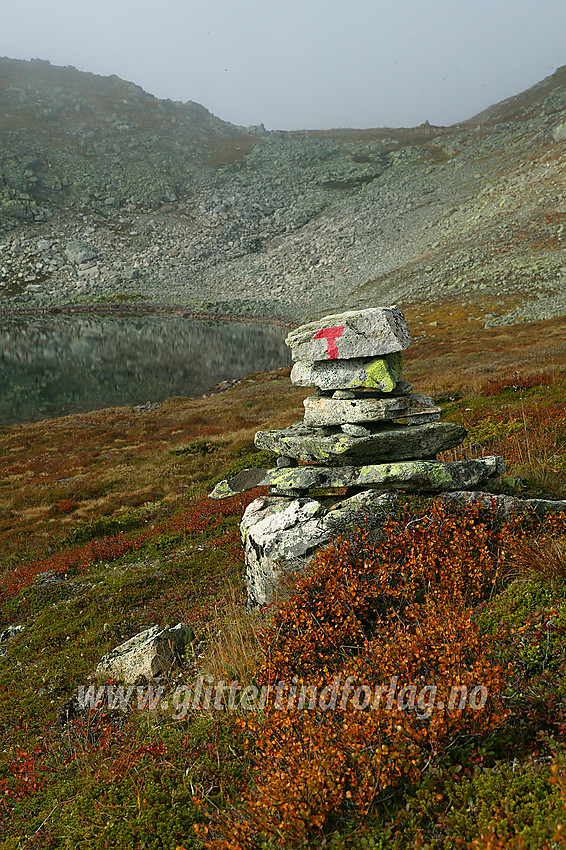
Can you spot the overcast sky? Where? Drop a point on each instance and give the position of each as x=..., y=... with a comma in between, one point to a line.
x=303, y=63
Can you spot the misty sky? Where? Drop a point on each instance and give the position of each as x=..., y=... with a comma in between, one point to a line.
x=303, y=63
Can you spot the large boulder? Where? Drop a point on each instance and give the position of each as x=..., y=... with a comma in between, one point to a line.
x=280, y=535
x=78, y=252
x=147, y=655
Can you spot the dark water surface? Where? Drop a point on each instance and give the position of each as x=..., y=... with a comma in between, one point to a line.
x=54, y=365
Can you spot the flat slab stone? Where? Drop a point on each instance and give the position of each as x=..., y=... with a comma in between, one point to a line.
x=504, y=505
x=335, y=411
x=378, y=373
x=423, y=417
x=247, y=479
x=410, y=475
x=356, y=333
x=385, y=444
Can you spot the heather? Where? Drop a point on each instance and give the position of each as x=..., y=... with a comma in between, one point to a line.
x=106, y=529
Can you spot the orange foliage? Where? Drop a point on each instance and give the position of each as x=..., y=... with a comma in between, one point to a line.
x=398, y=606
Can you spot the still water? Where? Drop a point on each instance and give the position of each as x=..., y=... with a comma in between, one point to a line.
x=54, y=365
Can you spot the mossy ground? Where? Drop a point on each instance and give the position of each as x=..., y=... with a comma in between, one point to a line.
x=112, y=507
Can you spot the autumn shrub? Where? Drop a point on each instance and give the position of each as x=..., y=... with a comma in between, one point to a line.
x=529, y=434
x=63, y=506
x=378, y=608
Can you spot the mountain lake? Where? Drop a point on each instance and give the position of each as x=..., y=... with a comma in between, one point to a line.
x=54, y=365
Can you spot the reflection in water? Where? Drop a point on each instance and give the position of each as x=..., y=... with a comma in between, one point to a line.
x=53, y=365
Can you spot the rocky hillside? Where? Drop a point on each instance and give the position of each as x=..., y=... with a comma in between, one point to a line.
x=108, y=194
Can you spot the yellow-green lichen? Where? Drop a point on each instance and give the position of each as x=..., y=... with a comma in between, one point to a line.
x=384, y=372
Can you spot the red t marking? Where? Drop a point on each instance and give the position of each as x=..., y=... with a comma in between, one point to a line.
x=330, y=335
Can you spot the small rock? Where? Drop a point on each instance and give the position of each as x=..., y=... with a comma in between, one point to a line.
x=90, y=273
x=284, y=462
x=355, y=430
x=147, y=655
x=78, y=252
x=10, y=632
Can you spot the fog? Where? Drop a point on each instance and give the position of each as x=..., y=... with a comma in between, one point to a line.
x=303, y=63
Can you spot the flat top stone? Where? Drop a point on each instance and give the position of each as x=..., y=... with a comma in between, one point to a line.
x=412, y=475
x=356, y=333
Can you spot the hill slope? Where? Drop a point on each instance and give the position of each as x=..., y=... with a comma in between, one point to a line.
x=105, y=530
x=177, y=207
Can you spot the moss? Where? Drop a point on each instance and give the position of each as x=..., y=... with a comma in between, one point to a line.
x=102, y=526
x=197, y=447
x=249, y=459
x=534, y=613
x=454, y=808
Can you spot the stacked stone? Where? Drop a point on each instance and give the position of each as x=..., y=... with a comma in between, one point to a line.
x=355, y=361
x=364, y=430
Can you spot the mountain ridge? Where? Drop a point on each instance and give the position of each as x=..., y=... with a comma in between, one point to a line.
x=177, y=207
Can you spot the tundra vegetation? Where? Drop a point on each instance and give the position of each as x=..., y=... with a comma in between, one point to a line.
x=106, y=529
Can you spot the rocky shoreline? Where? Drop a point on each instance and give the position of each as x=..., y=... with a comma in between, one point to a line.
x=148, y=309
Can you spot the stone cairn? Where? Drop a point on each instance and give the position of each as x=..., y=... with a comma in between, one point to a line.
x=363, y=430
